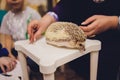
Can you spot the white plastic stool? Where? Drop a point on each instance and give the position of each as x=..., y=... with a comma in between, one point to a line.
x=49, y=58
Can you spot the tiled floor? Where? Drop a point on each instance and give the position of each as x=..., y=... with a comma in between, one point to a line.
x=68, y=74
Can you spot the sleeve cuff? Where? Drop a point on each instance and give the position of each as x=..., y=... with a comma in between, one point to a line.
x=53, y=14
x=119, y=22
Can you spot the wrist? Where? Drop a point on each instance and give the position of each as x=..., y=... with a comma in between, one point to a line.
x=53, y=14
x=114, y=21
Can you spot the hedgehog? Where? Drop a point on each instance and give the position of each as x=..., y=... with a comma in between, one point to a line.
x=65, y=34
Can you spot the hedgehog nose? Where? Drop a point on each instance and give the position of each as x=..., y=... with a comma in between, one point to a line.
x=81, y=47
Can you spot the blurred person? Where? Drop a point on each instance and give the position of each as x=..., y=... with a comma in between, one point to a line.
x=6, y=63
x=95, y=17
x=14, y=24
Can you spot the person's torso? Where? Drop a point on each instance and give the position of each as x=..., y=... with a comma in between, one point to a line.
x=79, y=10
x=17, y=23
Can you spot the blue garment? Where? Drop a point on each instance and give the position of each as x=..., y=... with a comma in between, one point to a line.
x=3, y=52
x=77, y=11
x=2, y=13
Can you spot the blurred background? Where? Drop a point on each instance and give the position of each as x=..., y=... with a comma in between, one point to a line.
x=42, y=6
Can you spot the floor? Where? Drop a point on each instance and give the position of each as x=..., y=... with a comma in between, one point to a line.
x=68, y=74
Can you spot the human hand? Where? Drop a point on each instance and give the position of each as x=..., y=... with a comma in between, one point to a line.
x=33, y=32
x=37, y=28
x=99, y=24
x=7, y=64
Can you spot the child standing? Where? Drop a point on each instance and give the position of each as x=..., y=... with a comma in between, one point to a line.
x=15, y=21
x=14, y=24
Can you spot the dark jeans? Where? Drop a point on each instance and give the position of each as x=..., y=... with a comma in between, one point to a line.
x=33, y=66
x=118, y=76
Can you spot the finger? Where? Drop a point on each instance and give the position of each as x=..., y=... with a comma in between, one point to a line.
x=37, y=35
x=31, y=35
x=8, y=67
x=3, y=68
x=90, y=27
x=90, y=33
x=34, y=33
x=14, y=64
x=90, y=30
x=29, y=29
x=32, y=38
x=87, y=29
x=92, y=36
x=89, y=20
x=11, y=66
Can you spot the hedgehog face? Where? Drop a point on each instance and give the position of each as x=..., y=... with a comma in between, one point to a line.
x=65, y=34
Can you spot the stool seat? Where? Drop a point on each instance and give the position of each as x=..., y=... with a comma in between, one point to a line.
x=49, y=57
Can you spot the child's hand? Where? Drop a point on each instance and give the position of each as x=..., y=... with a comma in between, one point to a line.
x=7, y=64
x=32, y=30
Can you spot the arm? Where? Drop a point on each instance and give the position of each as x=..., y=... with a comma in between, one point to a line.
x=6, y=38
x=9, y=45
x=45, y=21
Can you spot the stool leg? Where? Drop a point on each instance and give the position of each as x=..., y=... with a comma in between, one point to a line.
x=49, y=76
x=23, y=63
x=93, y=65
